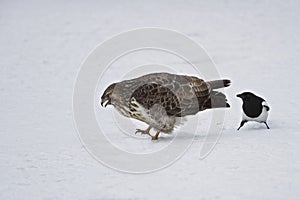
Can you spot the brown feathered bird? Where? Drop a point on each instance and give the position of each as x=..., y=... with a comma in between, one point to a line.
x=159, y=99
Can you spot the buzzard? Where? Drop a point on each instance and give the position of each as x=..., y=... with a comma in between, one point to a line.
x=160, y=99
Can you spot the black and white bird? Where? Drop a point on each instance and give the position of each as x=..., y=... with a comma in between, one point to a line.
x=255, y=109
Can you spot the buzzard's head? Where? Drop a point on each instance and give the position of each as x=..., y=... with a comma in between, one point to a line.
x=106, y=97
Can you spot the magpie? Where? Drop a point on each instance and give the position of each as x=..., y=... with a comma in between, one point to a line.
x=255, y=108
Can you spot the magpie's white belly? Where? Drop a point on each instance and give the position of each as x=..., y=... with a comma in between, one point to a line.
x=261, y=118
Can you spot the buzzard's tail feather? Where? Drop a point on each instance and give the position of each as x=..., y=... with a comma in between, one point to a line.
x=217, y=100
x=219, y=83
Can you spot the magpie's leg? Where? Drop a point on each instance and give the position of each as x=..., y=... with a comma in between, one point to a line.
x=267, y=125
x=242, y=124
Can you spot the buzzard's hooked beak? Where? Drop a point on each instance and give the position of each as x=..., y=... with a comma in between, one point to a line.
x=108, y=93
x=105, y=101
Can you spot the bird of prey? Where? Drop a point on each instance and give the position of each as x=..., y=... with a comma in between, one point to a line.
x=255, y=109
x=159, y=99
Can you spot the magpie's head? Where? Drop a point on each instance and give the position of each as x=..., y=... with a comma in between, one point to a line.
x=246, y=96
x=107, y=95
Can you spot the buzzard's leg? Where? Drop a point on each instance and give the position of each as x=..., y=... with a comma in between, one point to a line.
x=147, y=131
x=242, y=124
x=267, y=125
x=155, y=137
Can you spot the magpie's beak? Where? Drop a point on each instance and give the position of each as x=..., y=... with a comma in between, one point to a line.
x=239, y=95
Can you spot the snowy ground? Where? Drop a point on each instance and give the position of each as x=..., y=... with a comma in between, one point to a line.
x=43, y=43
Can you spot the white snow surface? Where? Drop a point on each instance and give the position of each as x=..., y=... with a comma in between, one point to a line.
x=43, y=43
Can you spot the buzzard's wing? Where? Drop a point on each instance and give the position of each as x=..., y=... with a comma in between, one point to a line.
x=201, y=90
x=150, y=94
x=181, y=96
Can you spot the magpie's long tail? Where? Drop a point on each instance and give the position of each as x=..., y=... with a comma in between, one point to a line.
x=219, y=83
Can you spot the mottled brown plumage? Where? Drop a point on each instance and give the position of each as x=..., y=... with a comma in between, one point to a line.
x=158, y=99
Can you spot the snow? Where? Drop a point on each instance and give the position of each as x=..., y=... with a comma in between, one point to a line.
x=43, y=44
